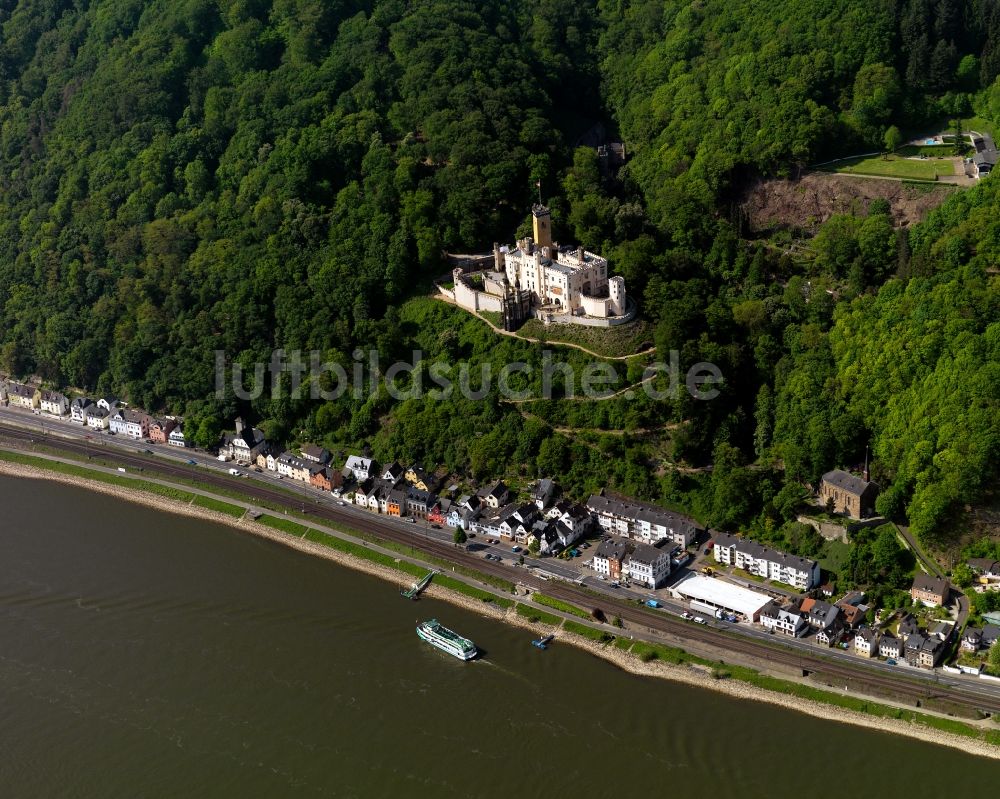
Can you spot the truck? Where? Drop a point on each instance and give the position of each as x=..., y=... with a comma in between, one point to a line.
x=652, y=603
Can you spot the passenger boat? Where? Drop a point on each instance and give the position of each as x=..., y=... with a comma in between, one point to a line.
x=436, y=634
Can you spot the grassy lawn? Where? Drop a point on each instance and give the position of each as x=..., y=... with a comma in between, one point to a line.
x=284, y=525
x=930, y=150
x=220, y=507
x=611, y=341
x=834, y=556
x=535, y=615
x=558, y=604
x=895, y=167
x=588, y=632
x=981, y=125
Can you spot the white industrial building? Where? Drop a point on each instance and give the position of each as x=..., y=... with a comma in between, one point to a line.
x=708, y=594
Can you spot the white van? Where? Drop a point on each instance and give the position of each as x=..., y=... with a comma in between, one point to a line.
x=235, y=472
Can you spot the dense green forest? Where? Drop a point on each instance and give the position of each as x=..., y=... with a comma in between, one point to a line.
x=183, y=176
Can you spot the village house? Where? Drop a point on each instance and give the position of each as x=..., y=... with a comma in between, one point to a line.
x=911, y=650
x=362, y=492
x=22, y=396
x=976, y=639
x=176, y=438
x=642, y=521
x=544, y=492
x=931, y=591
x=463, y=512
x=930, y=652
x=245, y=445
x=985, y=567
x=53, y=402
x=393, y=473
x=110, y=404
x=417, y=502
x=324, y=478
x=825, y=619
x=160, y=429
x=438, y=514
x=420, y=479
x=648, y=566
x=866, y=643
x=610, y=558
x=489, y=523
x=985, y=157
x=131, y=424
x=766, y=562
x=78, y=409
x=517, y=522
x=786, y=620
x=97, y=417
x=495, y=495
x=852, y=496
x=852, y=609
x=315, y=453
x=889, y=646
x=361, y=468
x=393, y=502
x=290, y=466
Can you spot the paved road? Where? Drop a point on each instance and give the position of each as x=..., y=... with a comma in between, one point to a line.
x=739, y=638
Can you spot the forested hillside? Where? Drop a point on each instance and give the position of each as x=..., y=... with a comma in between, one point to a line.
x=183, y=176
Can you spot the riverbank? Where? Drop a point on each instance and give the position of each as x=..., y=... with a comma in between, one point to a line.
x=702, y=677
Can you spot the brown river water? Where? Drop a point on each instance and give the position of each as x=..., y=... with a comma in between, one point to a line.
x=149, y=655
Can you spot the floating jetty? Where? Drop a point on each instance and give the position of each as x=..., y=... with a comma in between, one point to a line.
x=543, y=643
x=416, y=588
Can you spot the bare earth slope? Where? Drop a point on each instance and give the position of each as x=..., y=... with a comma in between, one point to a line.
x=807, y=202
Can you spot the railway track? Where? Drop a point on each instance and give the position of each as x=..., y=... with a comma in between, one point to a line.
x=653, y=620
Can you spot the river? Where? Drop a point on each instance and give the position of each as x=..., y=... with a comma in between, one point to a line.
x=148, y=655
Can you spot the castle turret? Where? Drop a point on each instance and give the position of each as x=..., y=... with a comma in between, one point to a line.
x=542, y=220
x=498, y=258
x=616, y=293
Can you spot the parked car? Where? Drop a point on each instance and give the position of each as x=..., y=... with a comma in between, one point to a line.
x=699, y=620
x=515, y=548
x=192, y=462
x=686, y=615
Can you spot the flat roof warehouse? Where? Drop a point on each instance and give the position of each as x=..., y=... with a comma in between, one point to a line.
x=713, y=594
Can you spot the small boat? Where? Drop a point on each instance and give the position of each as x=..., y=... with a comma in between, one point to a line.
x=543, y=643
x=436, y=634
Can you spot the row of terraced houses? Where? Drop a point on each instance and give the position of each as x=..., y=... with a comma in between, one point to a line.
x=103, y=413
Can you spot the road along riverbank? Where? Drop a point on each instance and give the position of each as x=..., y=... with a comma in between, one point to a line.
x=633, y=657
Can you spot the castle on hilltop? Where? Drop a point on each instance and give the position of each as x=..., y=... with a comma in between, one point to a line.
x=541, y=278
